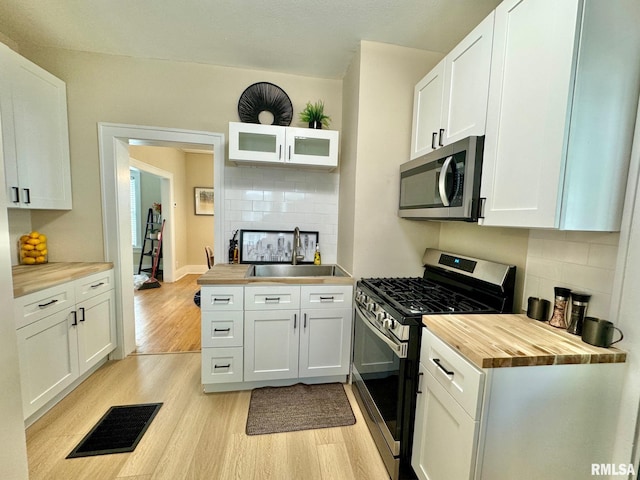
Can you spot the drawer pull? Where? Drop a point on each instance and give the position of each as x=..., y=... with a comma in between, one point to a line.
x=272, y=299
x=439, y=365
x=222, y=329
x=226, y=300
x=97, y=285
x=327, y=299
x=222, y=366
x=48, y=304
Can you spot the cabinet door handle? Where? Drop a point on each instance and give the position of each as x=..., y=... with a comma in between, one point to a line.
x=440, y=135
x=27, y=195
x=305, y=321
x=75, y=319
x=289, y=152
x=97, y=285
x=48, y=304
x=16, y=194
x=295, y=320
x=433, y=140
x=83, y=314
x=272, y=299
x=280, y=152
x=420, y=374
x=221, y=329
x=439, y=365
x=222, y=366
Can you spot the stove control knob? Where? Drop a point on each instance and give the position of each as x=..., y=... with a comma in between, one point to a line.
x=388, y=323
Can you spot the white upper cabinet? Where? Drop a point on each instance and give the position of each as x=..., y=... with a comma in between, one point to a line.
x=562, y=102
x=450, y=102
x=303, y=147
x=427, y=110
x=35, y=137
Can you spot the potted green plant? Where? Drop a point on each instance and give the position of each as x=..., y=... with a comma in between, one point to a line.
x=314, y=115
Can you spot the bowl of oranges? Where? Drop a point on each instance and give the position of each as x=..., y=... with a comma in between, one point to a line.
x=33, y=249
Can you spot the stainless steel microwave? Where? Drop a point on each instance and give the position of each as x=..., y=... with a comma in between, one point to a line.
x=443, y=184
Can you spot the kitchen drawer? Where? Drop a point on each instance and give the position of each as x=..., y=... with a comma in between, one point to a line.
x=326, y=296
x=462, y=380
x=223, y=298
x=222, y=329
x=222, y=365
x=38, y=305
x=272, y=298
x=92, y=285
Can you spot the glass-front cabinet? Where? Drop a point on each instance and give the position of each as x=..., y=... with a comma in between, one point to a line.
x=256, y=143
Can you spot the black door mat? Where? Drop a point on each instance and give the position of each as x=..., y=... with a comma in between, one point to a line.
x=118, y=431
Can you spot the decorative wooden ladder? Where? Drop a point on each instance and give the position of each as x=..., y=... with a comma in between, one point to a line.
x=150, y=243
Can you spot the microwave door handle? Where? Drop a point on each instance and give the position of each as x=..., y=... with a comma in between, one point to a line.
x=442, y=181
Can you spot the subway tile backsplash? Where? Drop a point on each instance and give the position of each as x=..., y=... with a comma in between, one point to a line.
x=281, y=199
x=581, y=261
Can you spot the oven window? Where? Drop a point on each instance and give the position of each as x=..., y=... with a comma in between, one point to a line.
x=380, y=370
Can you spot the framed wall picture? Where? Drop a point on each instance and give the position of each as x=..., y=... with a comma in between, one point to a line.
x=273, y=246
x=204, y=200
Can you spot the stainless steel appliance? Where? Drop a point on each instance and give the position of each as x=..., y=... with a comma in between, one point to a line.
x=443, y=184
x=388, y=314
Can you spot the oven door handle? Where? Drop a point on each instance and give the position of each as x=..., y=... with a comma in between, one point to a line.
x=400, y=349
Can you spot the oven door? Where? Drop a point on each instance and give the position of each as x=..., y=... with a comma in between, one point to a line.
x=378, y=371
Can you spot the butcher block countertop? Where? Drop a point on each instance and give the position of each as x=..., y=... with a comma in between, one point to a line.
x=510, y=340
x=33, y=278
x=236, y=274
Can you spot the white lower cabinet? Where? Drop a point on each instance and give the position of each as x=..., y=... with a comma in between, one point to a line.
x=547, y=422
x=96, y=320
x=325, y=342
x=271, y=345
x=59, y=340
x=285, y=333
x=48, y=353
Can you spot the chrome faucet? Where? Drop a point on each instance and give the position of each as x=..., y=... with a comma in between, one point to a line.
x=296, y=256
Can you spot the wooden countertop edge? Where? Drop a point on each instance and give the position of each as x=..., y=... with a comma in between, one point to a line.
x=29, y=279
x=480, y=346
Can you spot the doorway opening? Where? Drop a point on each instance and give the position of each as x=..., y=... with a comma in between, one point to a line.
x=114, y=142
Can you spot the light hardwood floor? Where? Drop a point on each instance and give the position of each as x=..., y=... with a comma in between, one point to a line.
x=167, y=319
x=194, y=436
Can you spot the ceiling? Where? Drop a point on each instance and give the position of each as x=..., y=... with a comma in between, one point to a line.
x=303, y=37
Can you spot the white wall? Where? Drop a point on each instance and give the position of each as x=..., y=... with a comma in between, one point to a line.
x=281, y=199
x=379, y=97
x=123, y=90
x=13, y=453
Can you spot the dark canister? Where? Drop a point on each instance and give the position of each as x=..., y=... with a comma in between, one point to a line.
x=579, y=304
x=538, y=308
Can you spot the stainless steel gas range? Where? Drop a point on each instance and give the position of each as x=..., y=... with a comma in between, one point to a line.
x=388, y=314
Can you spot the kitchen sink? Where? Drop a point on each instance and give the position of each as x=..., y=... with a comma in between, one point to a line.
x=286, y=270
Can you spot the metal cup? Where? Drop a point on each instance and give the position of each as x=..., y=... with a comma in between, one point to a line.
x=538, y=308
x=598, y=332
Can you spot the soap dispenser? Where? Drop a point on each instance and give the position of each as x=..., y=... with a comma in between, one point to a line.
x=316, y=256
